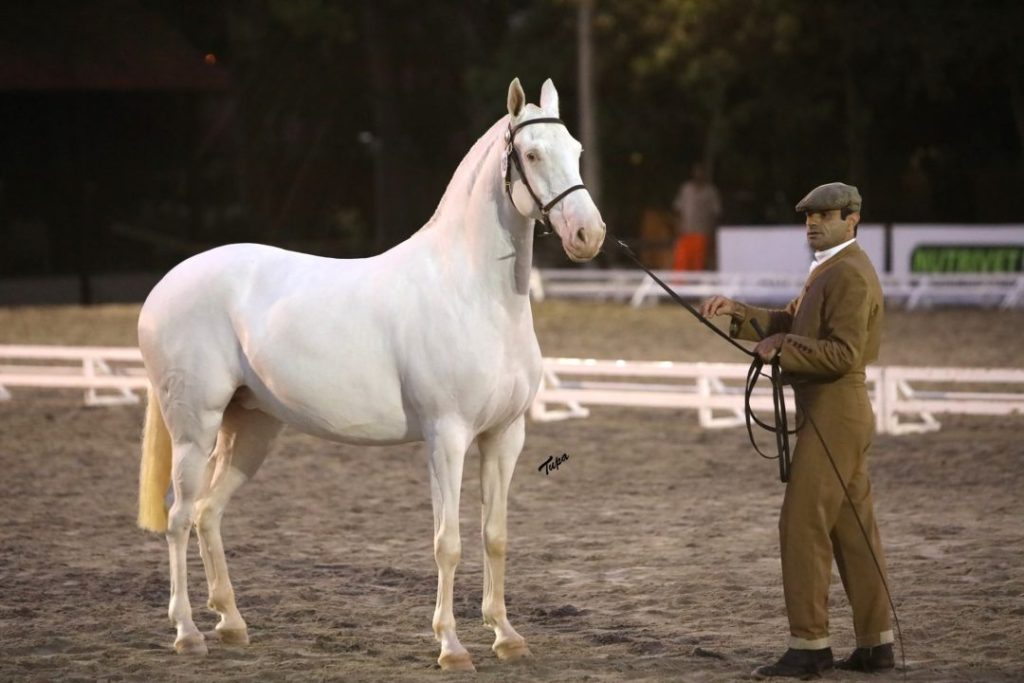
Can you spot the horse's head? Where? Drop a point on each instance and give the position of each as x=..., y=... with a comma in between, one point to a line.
x=543, y=173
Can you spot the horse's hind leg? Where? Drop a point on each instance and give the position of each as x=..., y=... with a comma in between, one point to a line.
x=188, y=466
x=244, y=439
x=446, y=452
x=498, y=454
x=193, y=404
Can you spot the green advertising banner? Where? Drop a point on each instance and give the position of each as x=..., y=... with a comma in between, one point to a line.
x=967, y=258
x=955, y=249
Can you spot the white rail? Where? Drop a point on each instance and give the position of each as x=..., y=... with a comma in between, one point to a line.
x=714, y=390
x=1002, y=290
x=905, y=399
x=109, y=375
x=921, y=393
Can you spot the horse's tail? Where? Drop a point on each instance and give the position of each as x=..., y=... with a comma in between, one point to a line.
x=155, y=470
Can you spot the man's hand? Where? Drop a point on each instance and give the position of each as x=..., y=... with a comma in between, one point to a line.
x=718, y=305
x=769, y=347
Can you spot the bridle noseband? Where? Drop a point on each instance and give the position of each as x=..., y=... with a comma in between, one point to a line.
x=512, y=153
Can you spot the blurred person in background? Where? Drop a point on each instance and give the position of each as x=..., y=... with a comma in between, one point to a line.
x=698, y=208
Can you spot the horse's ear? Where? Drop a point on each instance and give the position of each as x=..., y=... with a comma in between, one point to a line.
x=549, y=98
x=516, y=98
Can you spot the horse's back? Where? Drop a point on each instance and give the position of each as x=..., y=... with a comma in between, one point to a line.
x=305, y=335
x=362, y=350
x=194, y=295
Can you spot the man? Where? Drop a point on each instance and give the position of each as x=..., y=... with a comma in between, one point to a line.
x=698, y=207
x=824, y=339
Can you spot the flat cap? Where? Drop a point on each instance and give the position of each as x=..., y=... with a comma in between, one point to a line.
x=831, y=196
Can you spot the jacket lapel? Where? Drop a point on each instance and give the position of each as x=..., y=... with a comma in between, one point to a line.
x=842, y=255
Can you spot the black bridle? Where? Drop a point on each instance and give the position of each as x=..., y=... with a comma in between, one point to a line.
x=513, y=154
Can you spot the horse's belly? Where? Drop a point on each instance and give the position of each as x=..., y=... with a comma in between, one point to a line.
x=348, y=406
x=338, y=424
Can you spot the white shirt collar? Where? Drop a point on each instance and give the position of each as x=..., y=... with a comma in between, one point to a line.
x=822, y=256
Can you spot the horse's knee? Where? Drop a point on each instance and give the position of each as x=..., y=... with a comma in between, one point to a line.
x=447, y=549
x=495, y=541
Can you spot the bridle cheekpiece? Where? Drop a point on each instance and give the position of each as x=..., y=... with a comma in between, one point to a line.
x=512, y=153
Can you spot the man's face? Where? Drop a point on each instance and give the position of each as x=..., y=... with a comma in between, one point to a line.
x=827, y=229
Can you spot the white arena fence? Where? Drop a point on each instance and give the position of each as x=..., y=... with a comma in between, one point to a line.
x=906, y=399
x=996, y=290
x=108, y=375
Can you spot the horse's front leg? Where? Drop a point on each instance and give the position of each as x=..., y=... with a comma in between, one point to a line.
x=498, y=454
x=447, y=450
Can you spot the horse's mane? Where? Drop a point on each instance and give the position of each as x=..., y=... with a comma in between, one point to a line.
x=469, y=168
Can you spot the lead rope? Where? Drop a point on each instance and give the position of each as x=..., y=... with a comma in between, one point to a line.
x=780, y=428
x=675, y=297
x=753, y=375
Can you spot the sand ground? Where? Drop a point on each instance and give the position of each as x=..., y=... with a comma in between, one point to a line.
x=650, y=555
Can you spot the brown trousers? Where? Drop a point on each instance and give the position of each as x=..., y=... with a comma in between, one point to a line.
x=818, y=523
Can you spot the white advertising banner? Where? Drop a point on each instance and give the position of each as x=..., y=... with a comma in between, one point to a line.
x=957, y=249
x=915, y=249
x=783, y=249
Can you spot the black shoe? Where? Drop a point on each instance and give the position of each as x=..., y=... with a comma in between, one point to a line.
x=869, y=659
x=797, y=664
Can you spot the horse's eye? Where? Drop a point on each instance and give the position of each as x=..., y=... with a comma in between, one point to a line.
x=531, y=156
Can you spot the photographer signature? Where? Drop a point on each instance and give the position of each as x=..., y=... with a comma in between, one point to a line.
x=552, y=463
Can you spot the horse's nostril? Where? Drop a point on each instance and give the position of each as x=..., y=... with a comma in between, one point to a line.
x=581, y=235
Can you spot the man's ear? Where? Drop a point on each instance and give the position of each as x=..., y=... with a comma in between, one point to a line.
x=854, y=220
x=516, y=98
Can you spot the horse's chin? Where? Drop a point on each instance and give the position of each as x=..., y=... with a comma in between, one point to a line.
x=580, y=258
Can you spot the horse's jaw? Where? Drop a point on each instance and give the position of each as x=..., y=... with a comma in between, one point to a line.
x=580, y=227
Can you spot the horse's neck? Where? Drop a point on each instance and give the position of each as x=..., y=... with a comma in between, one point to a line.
x=481, y=234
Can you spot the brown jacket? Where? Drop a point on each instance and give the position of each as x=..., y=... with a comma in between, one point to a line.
x=832, y=331
x=833, y=327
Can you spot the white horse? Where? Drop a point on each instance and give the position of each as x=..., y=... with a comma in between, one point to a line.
x=431, y=341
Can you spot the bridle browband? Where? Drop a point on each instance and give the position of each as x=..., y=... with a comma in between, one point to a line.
x=512, y=153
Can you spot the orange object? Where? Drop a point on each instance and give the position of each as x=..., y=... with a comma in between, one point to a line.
x=690, y=252
x=656, y=232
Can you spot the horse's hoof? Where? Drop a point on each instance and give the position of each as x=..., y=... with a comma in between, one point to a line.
x=192, y=644
x=462, y=662
x=232, y=636
x=510, y=652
